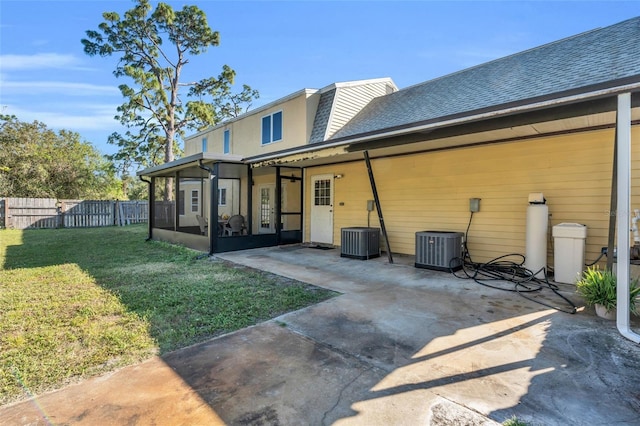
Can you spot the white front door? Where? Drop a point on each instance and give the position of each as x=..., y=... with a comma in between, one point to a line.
x=266, y=209
x=322, y=209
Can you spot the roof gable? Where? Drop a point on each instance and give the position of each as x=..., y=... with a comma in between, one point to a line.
x=340, y=102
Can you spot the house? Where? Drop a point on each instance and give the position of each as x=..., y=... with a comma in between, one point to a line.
x=214, y=169
x=539, y=121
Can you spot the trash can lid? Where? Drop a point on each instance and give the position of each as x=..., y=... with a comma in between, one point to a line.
x=570, y=230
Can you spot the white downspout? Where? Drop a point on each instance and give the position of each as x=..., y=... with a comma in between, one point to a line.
x=624, y=206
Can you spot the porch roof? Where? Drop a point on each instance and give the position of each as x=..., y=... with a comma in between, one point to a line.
x=191, y=162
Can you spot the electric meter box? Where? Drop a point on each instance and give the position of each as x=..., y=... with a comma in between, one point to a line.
x=568, y=251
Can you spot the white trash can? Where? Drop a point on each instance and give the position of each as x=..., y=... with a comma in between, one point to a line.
x=568, y=251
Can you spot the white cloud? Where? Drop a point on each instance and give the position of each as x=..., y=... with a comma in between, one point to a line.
x=94, y=122
x=93, y=117
x=63, y=87
x=37, y=61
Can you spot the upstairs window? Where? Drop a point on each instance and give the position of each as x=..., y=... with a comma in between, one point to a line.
x=204, y=144
x=272, y=128
x=226, y=142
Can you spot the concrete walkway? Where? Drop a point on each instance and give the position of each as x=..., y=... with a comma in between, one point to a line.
x=399, y=346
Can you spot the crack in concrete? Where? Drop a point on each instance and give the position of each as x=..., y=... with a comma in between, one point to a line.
x=326, y=413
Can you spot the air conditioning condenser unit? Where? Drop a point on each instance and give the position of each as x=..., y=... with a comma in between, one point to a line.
x=439, y=250
x=360, y=243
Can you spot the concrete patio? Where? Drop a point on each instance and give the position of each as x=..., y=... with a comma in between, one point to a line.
x=399, y=346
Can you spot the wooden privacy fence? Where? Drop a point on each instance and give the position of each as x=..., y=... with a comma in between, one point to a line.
x=24, y=213
x=132, y=212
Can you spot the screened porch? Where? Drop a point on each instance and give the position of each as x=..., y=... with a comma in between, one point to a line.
x=218, y=203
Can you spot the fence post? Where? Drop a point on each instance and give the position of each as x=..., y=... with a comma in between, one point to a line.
x=7, y=222
x=61, y=208
x=59, y=214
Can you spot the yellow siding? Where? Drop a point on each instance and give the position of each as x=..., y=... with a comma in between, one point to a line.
x=246, y=133
x=431, y=191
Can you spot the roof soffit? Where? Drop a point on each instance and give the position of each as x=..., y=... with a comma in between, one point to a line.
x=592, y=114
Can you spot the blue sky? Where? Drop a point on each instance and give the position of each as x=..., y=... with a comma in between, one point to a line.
x=277, y=47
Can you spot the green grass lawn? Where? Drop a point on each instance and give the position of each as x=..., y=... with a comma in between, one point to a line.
x=80, y=302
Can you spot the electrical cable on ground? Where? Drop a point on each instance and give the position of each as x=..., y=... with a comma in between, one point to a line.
x=595, y=261
x=507, y=273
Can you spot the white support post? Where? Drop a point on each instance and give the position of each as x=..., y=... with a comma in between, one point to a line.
x=624, y=209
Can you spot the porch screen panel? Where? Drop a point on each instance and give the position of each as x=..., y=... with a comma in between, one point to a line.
x=228, y=197
x=164, y=211
x=181, y=202
x=265, y=208
x=291, y=204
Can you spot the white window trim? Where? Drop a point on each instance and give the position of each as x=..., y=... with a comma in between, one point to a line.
x=205, y=146
x=271, y=136
x=195, y=207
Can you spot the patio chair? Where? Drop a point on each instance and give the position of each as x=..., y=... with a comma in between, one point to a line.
x=235, y=225
x=202, y=223
x=222, y=223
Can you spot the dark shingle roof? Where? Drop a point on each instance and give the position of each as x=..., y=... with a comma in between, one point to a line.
x=595, y=57
x=322, y=116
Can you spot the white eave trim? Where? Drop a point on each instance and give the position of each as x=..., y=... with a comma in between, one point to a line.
x=355, y=83
x=455, y=121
